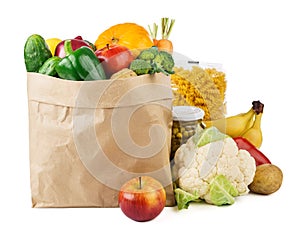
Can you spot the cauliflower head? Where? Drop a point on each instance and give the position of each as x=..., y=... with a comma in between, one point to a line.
x=195, y=167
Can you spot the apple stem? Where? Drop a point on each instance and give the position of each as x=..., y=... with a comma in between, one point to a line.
x=140, y=182
x=107, y=45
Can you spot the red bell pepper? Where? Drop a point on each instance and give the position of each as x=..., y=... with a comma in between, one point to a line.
x=259, y=157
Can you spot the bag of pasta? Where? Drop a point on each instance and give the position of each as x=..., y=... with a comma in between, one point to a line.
x=200, y=85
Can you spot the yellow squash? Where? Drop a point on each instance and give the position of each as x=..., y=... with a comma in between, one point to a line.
x=130, y=35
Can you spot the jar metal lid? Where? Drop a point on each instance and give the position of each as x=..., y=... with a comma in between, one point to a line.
x=187, y=113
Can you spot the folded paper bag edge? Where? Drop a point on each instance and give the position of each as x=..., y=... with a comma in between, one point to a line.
x=87, y=94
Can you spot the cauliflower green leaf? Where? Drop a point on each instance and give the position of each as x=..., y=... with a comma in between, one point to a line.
x=184, y=198
x=222, y=192
x=208, y=135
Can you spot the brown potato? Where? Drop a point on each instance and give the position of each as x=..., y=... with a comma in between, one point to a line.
x=268, y=179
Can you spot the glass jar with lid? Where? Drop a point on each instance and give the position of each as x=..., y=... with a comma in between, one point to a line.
x=185, y=121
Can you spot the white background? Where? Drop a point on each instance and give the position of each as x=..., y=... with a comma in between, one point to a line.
x=257, y=43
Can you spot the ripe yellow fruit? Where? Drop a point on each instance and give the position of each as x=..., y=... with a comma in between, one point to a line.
x=254, y=134
x=52, y=43
x=235, y=125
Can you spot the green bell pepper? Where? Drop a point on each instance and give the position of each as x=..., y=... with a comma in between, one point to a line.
x=81, y=64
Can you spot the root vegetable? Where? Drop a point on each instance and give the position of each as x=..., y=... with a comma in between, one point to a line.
x=153, y=33
x=163, y=44
x=267, y=179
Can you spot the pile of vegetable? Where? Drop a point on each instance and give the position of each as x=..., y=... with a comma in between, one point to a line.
x=122, y=50
x=222, y=160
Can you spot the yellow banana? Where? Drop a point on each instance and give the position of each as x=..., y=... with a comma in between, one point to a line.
x=254, y=134
x=235, y=125
x=249, y=124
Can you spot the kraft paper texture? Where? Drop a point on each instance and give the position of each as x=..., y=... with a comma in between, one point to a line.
x=87, y=138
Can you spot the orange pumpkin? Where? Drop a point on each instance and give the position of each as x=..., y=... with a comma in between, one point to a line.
x=130, y=35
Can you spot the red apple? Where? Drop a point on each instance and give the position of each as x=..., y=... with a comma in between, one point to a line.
x=142, y=198
x=114, y=58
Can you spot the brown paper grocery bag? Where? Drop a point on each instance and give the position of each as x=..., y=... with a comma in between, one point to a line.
x=87, y=138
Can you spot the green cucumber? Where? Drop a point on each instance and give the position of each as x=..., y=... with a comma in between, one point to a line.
x=48, y=68
x=36, y=52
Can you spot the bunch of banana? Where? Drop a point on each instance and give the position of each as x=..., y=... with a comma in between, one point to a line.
x=254, y=133
x=246, y=125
